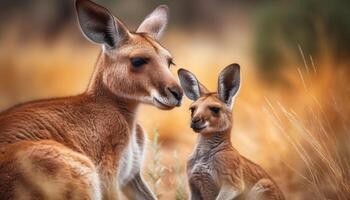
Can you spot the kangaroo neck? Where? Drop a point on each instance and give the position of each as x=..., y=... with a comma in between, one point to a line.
x=214, y=141
x=98, y=91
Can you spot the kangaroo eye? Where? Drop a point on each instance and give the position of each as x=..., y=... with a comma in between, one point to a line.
x=192, y=110
x=171, y=62
x=215, y=110
x=138, y=62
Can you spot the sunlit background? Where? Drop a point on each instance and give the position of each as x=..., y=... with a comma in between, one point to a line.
x=292, y=115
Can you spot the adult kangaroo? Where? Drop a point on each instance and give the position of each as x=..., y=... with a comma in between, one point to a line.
x=89, y=146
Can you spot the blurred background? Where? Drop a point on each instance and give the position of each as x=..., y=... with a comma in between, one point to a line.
x=292, y=113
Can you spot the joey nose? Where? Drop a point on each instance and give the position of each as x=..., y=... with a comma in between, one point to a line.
x=195, y=121
x=197, y=124
x=177, y=93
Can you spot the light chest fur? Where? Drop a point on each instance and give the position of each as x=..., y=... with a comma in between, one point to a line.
x=201, y=167
x=131, y=160
x=220, y=171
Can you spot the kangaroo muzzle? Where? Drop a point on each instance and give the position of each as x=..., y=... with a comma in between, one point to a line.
x=168, y=98
x=175, y=95
x=198, y=124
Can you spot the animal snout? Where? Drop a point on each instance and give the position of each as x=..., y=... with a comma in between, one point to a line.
x=177, y=93
x=198, y=124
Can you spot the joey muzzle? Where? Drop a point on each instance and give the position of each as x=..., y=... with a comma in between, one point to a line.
x=198, y=124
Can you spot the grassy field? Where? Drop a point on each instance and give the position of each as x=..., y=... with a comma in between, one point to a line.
x=296, y=127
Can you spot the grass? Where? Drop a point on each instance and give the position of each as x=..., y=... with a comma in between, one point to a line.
x=319, y=145
x=180, y=193
x=323, y=170
x=156, y=170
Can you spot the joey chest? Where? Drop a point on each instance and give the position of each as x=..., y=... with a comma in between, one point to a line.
x=201, y=167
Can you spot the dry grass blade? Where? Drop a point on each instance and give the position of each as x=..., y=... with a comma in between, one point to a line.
x=156, y=170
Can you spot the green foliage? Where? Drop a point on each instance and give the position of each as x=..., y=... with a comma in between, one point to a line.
x=313, y=24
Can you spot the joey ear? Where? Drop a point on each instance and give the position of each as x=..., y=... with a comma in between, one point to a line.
x=99, y=25
x=229, y=83
x=155, y=23
x=191, y=86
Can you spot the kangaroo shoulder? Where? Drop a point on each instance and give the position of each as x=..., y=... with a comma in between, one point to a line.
x=229, y=158
x=228, y=166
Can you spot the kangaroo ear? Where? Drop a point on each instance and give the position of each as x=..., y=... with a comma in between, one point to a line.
x=191, y=86
x=99, y=25
x=229, y=83
x=155, y=23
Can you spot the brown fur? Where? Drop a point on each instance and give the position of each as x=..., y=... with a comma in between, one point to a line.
x=227, y=165
x=215, y=169
x=75, y=147
x=25, y=164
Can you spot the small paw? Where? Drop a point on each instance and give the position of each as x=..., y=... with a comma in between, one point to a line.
x=263, y=185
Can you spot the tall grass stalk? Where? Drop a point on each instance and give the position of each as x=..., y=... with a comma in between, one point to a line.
x=316, y=144
x=180, y=193
x=156, y=170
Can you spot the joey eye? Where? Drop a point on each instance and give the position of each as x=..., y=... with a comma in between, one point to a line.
x=215, y=110
x=138, y=62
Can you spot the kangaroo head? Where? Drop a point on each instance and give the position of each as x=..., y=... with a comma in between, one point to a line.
x=211, y=112
x=132, y=65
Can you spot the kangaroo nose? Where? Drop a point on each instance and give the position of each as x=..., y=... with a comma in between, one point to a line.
x=196, y=120
x=197, y=124
x=176, y=92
